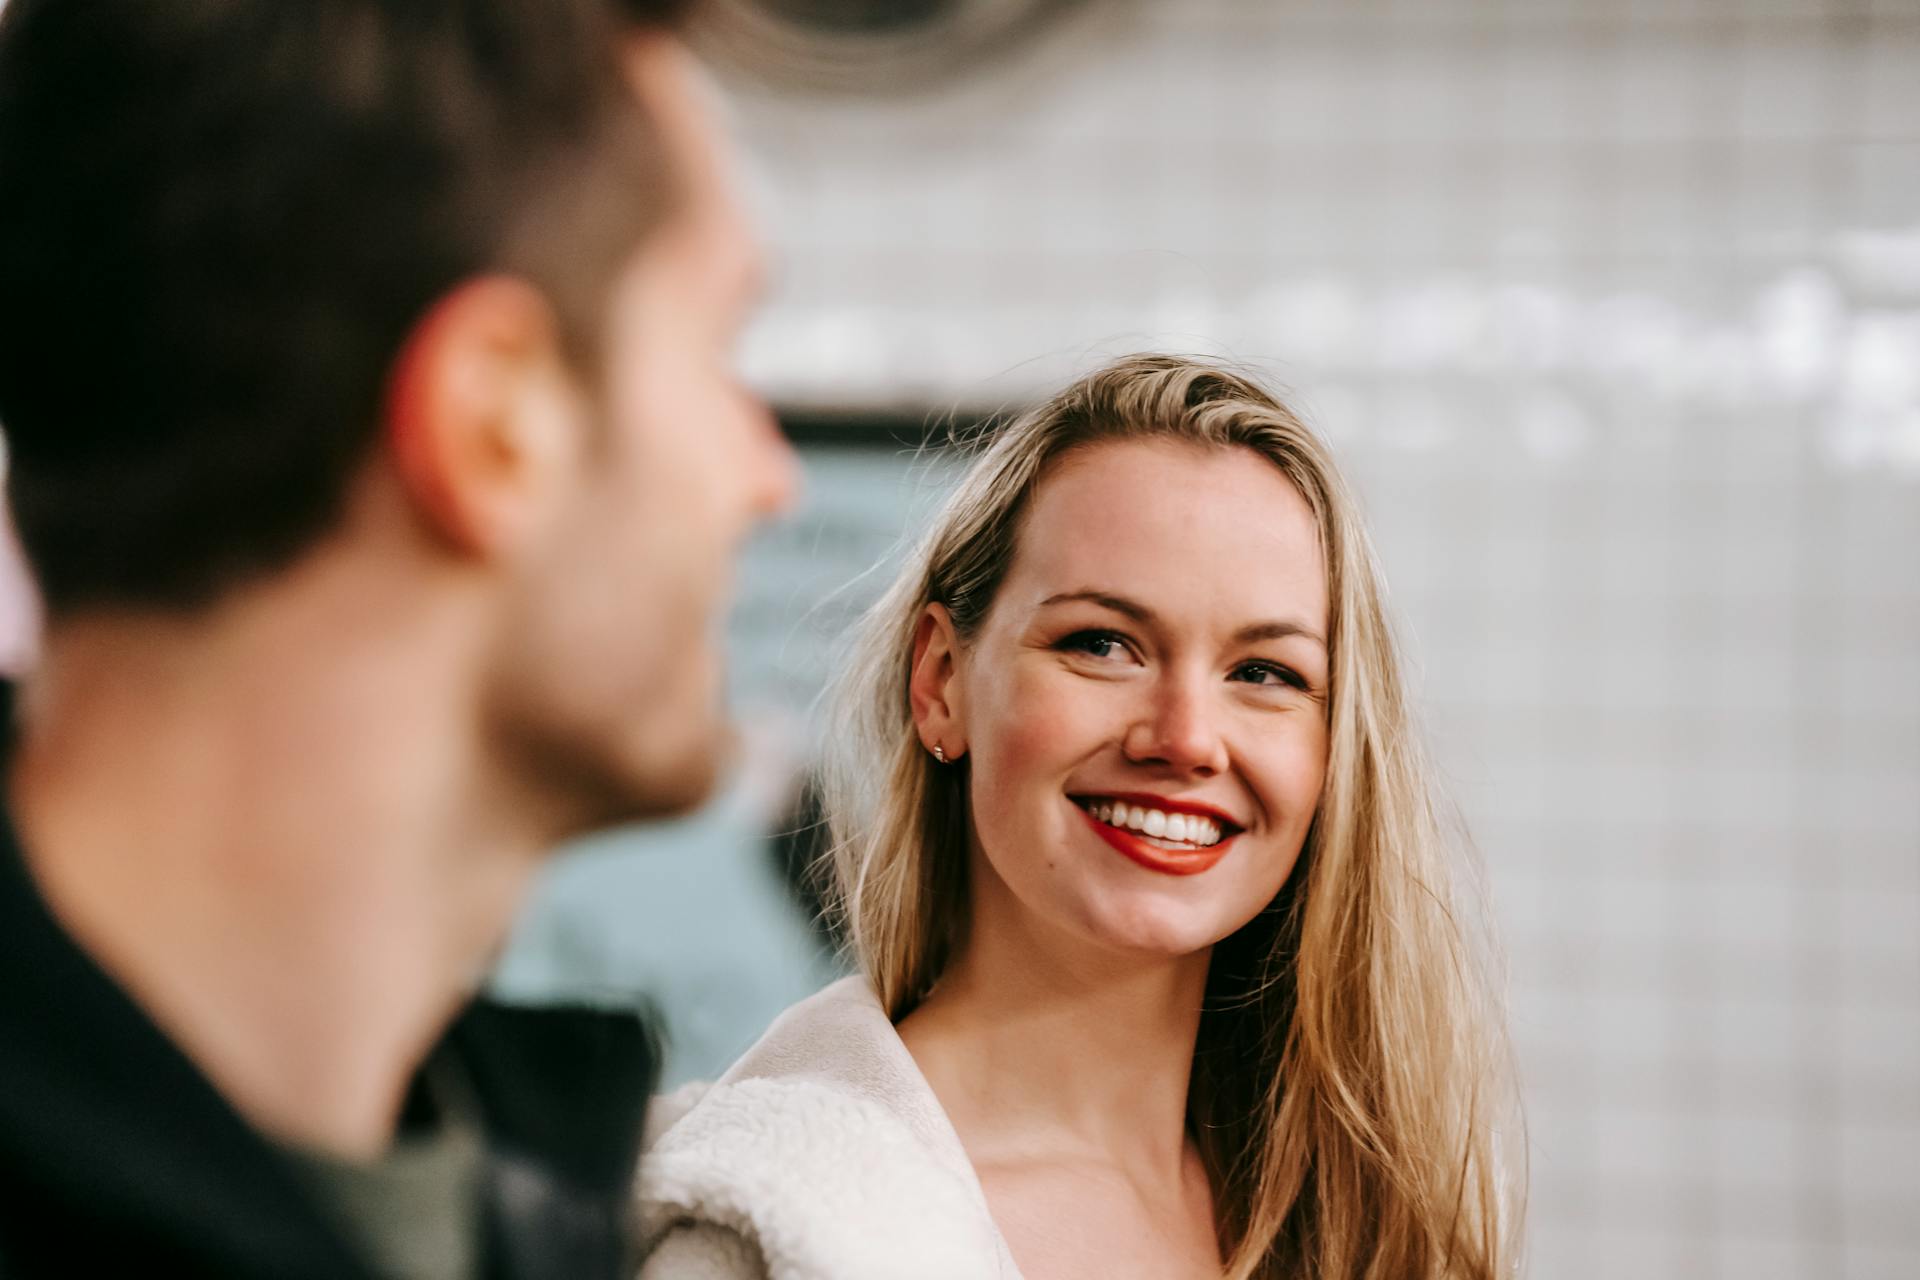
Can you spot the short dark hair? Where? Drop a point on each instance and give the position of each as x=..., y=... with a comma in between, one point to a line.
x=219, y=221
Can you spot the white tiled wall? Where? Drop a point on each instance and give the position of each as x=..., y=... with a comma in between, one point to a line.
x=1614, y=311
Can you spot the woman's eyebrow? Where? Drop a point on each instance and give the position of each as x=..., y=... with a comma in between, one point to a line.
x=1252, y=633
x=1106, y=599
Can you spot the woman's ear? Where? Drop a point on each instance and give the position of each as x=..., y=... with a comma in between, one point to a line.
x=933, y=686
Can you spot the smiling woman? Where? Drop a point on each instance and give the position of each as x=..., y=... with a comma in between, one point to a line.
x=1167, y=970
x=1153, y=649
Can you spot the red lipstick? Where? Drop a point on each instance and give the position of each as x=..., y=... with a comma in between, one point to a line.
x=1172, y=862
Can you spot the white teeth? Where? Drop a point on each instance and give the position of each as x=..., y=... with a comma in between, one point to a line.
x=1174, y=828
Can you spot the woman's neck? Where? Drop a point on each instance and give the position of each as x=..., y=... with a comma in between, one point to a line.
x=1041, y=1046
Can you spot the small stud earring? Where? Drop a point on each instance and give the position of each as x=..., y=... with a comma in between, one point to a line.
x=940, y=753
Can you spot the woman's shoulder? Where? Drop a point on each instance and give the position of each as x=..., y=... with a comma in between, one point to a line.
x=824, y=1152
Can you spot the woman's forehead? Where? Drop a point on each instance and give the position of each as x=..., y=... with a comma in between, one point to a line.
x=1220, y=528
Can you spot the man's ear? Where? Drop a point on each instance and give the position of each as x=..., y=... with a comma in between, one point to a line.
x=933, y=685
x=472, y=417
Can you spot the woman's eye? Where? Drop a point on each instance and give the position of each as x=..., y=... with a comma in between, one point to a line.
x=1097, y=644
x=1268, y=673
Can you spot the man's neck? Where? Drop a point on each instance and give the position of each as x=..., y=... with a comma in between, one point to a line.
x=274, y=848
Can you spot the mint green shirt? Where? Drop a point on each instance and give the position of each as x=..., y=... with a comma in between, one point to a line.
x=414, y=1213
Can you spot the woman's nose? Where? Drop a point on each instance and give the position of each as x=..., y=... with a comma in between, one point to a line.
x=1179, y=729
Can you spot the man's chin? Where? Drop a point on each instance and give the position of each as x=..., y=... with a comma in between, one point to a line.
x=675, y=793
x=665, y=784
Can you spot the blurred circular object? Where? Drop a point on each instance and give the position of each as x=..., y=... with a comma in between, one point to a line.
x=859, y=16
x=868, y=46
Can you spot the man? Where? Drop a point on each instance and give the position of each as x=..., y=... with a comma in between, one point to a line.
x=365, y=374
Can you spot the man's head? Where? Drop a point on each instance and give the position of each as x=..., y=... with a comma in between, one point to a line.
x=258, y=259
x=608, y=666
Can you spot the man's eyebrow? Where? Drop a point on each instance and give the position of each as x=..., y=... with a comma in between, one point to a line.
x=1252, y=633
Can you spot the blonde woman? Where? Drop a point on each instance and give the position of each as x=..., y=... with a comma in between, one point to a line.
x=1166, y=970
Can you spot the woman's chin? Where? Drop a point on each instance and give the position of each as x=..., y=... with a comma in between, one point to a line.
x=1151, y=926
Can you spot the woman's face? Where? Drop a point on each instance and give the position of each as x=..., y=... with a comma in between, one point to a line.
x=1145, y=704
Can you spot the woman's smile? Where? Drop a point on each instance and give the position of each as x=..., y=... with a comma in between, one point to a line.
x=1166, y=836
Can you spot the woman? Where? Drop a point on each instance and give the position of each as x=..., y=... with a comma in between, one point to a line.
x=1164, y=970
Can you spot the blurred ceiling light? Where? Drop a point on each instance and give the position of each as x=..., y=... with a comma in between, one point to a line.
x=1800, y=320
x=1880, y=265
x=1432, y=326
x=1882, y=364
x=1532, y=326
x=1632, y=335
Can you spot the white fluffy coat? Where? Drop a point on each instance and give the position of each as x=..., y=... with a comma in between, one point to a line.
x=821, y=1155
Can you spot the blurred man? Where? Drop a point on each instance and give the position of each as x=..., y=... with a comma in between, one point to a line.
x=365, y=375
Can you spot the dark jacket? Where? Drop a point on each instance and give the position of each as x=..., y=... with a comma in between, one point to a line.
x=119, y=1158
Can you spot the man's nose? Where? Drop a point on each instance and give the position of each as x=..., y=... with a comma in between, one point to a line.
x=775, y=476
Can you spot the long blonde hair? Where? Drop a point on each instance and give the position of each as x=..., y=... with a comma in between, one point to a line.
x=1350, y=1092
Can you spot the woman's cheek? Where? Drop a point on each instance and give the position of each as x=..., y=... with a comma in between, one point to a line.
x=1005, y=737
x=1290, y=760
x=1047, y=721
